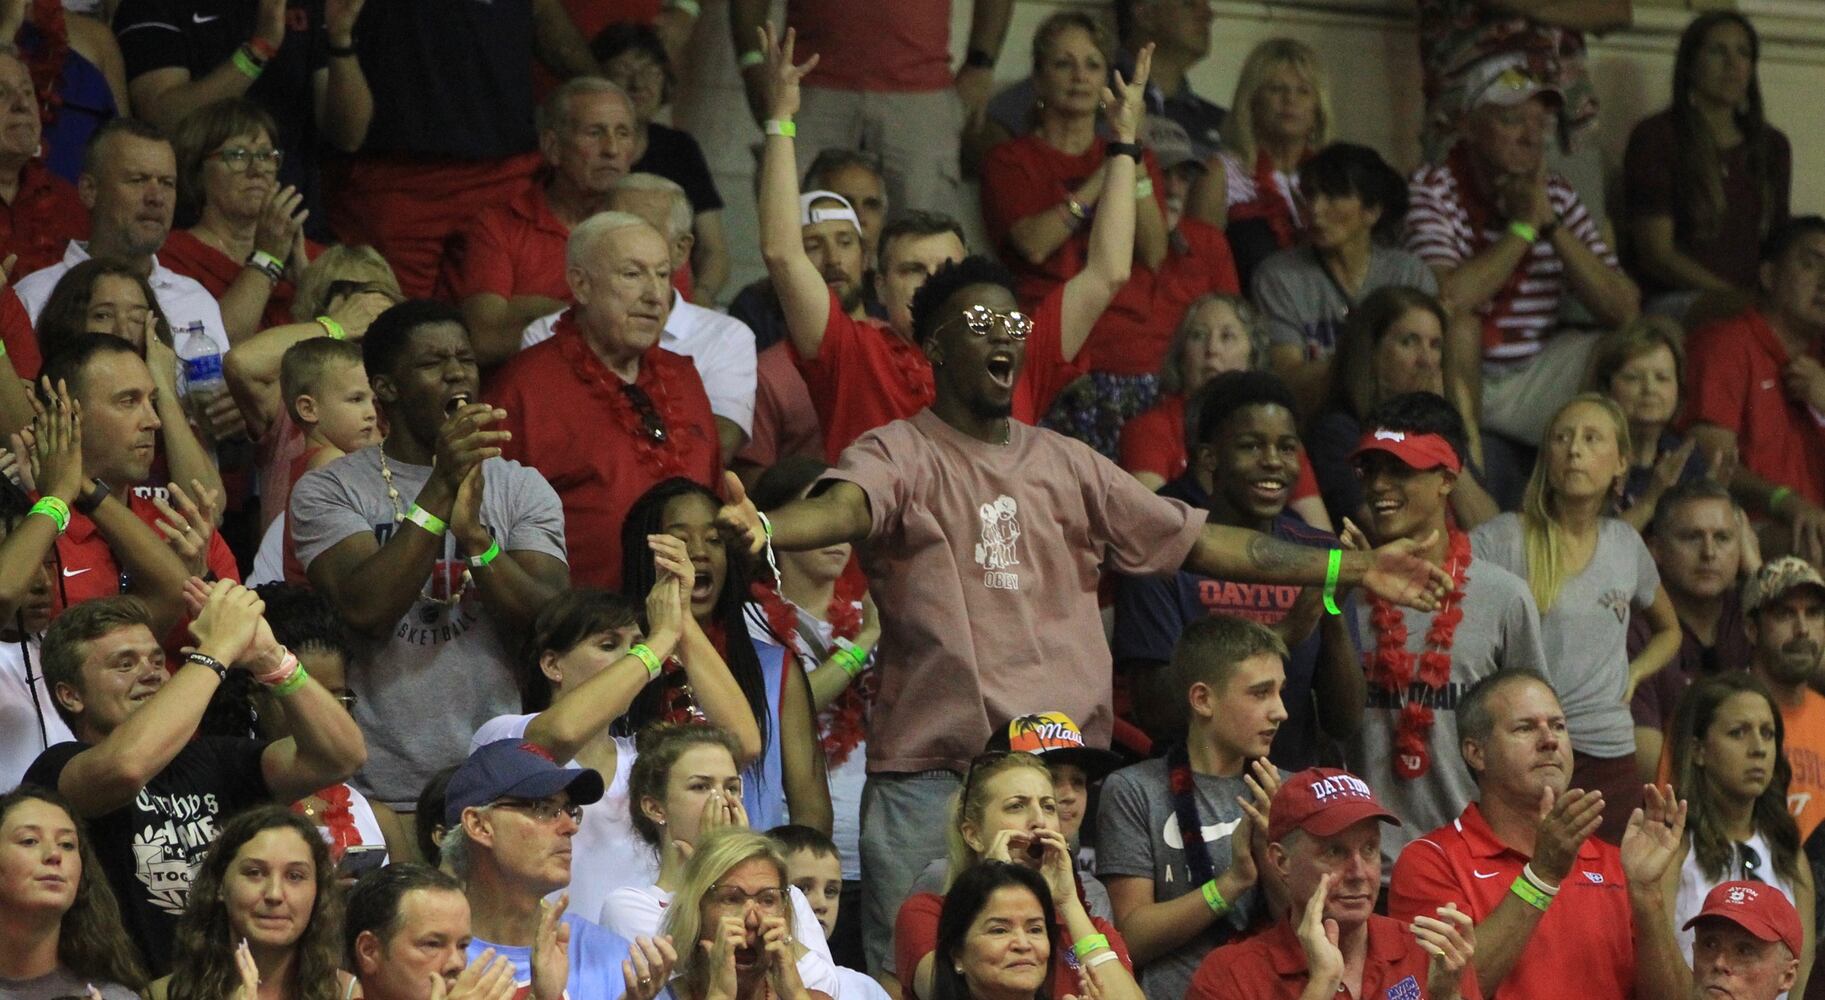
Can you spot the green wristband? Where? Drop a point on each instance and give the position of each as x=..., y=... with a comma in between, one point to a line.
x=426, y=520
x=1089, y=943
x=1213, y=898
x=1531, y=894
x=751, y=58
x=290, y=685
x=691, y=7
x=249, y=67
x=649, y=659
x=1331, y=570
x=1780, y=493
x=1143, y=188
x=333, y=328
x=1524, y=231
x=493, y=553
x=851, y=657
x=55, y=509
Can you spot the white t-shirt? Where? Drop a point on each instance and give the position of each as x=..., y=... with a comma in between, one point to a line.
x=639, y=911
x=606, y=852
x=26, y=729
x=183, y=299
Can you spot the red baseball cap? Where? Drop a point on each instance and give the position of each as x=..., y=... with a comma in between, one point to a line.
x=1322, y=801
x=1756, y=907
x=1420, y=451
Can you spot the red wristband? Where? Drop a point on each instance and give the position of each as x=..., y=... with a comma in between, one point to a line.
x=263, y=48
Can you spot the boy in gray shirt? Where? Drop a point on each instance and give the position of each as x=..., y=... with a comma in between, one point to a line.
x=1181, y=841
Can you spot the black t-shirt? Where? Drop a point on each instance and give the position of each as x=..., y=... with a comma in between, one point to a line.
x=675, y=155
x=199, y=35
x=450, y=77
x=152, y=847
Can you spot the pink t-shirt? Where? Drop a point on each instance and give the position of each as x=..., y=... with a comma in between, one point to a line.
x=984, y=560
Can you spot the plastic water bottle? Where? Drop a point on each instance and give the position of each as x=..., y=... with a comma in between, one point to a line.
x=199, y=363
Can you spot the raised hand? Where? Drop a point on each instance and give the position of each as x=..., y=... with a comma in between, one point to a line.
x=1402, y=575
x=189, y=528
x=465, y=442
x=220, y=416
x=1451, y=939
x=1125, y=104
x=357, y=311
x=229, y=618
x=1566, y=822
x=782, y=75
x=1249, y=841
x=56, y=443
x=739, y=515
x=1353, y=537
x=668, y=603
x=1669, y=466
x=249, y=987
x=1318, y=936
x=489, y=977
x=731, y=935
x=551, y=951
x=1056, y=865
x=339, y=17
x=281, y=219
x=1655, y=834
x=648, y=967
x=1804, y=379
x=269, y=23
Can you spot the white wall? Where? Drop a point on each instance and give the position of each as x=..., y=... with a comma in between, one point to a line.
x=1371, y=52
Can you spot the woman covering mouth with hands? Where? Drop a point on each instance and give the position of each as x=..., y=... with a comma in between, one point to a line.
x=734, y=905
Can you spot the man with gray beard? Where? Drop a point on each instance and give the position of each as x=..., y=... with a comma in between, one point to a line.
x=1784, y=609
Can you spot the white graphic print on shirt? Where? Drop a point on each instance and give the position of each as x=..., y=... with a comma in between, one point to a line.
x=996, y=553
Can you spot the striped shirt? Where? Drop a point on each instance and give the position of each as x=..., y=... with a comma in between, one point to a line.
x=1240, y=187
x=1518, y=318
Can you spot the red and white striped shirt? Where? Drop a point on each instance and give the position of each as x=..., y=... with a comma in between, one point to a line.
x=1517, y=319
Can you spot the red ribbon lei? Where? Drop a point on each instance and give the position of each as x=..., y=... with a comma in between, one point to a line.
x=1270, y=205
x=335, y=818
x=1395, y=670
x=843, y=724
x=664, y=459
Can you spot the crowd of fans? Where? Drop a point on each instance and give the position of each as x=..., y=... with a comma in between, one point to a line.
x=1251, y=574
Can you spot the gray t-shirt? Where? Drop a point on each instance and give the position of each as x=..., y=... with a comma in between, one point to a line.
x=1586, y=631
x=1137, y=834
x=1305, y=308
x=60, y=983
x=448, y=658
x=1500, y=628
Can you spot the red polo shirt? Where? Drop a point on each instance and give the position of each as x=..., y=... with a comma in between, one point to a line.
x=511, y=249
x=1733, y=380
x=215, y=270
x=1586, y=941
x=1271, y=966
x=87, y=566
x=43, y=216
x=866, y=375
x=572, y=421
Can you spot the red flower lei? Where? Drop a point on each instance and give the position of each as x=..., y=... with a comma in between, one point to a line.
x=1392, y=668
x=843, y=724
x=661, y=460
x=336, y=818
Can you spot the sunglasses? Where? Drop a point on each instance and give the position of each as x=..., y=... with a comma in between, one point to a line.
x=982, y=321
x=650, y=419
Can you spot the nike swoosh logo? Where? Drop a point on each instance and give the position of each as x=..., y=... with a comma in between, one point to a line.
x=67, y=572
x=200, y=19
x=1479, y=874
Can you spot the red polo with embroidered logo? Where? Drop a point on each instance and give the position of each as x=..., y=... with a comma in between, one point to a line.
x=1584, y=945
x=1271, y=966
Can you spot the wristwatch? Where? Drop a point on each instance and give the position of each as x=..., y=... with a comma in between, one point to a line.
x=98, y=491
x=978, y=59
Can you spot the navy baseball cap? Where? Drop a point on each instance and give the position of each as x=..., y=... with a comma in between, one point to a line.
x=515, y=769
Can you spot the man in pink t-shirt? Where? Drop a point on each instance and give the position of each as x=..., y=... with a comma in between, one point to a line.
x=984, y=539
x=883, y=84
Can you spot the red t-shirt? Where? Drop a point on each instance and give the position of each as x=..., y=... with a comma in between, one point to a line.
x=17, y=333
x=572, y=421
x=1272, y=966
x=866, y=376
x=915, y=934
x=511, y=249
x=1026, y=176
x=1584, y=943
x=882, y=45
x=300, y=464
x=44, y=215
x=215, y=270
x=1154, y=441
x=1133, y=333
x=1733, y=380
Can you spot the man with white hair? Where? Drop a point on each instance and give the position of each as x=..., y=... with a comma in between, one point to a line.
x=507, y=267
x=720, y=346
x=603, y=368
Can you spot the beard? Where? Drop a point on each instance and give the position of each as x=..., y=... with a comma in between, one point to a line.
x=1795, y=662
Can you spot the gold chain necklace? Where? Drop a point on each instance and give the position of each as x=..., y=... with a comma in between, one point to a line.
x=399, y=516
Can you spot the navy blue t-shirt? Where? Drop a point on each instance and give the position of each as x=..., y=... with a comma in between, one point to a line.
x=1152, y=611
x=450, y=77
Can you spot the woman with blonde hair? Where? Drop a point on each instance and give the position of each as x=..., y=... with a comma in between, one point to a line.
x=733, y=923
x=1281, y=115
x=1589, y=574
x=1642, y=367
x=1006, y=811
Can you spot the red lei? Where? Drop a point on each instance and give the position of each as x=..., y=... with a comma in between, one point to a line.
x=664, y=459
x=1396, y=670
x=843, y=724
x=335, y=818
x=1270, y=205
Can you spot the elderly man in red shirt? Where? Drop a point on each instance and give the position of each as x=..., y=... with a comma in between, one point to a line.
x=601, y=409
x=1747, y=943
x=1528, y=840
x=506, y=268
x=1324, y=841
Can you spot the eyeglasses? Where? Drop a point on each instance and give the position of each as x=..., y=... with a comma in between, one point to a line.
x=544, y=810
x=982, y=321
x=729, y=897
x=650, y=418
x=238, y=157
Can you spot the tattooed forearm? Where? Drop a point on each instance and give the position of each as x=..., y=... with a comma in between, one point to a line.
x=1233, y=553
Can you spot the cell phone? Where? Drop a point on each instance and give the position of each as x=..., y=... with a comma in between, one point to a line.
x=361, y=859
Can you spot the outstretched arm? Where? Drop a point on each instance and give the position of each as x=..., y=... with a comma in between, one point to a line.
x=838, y=514
x=1395, y=571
